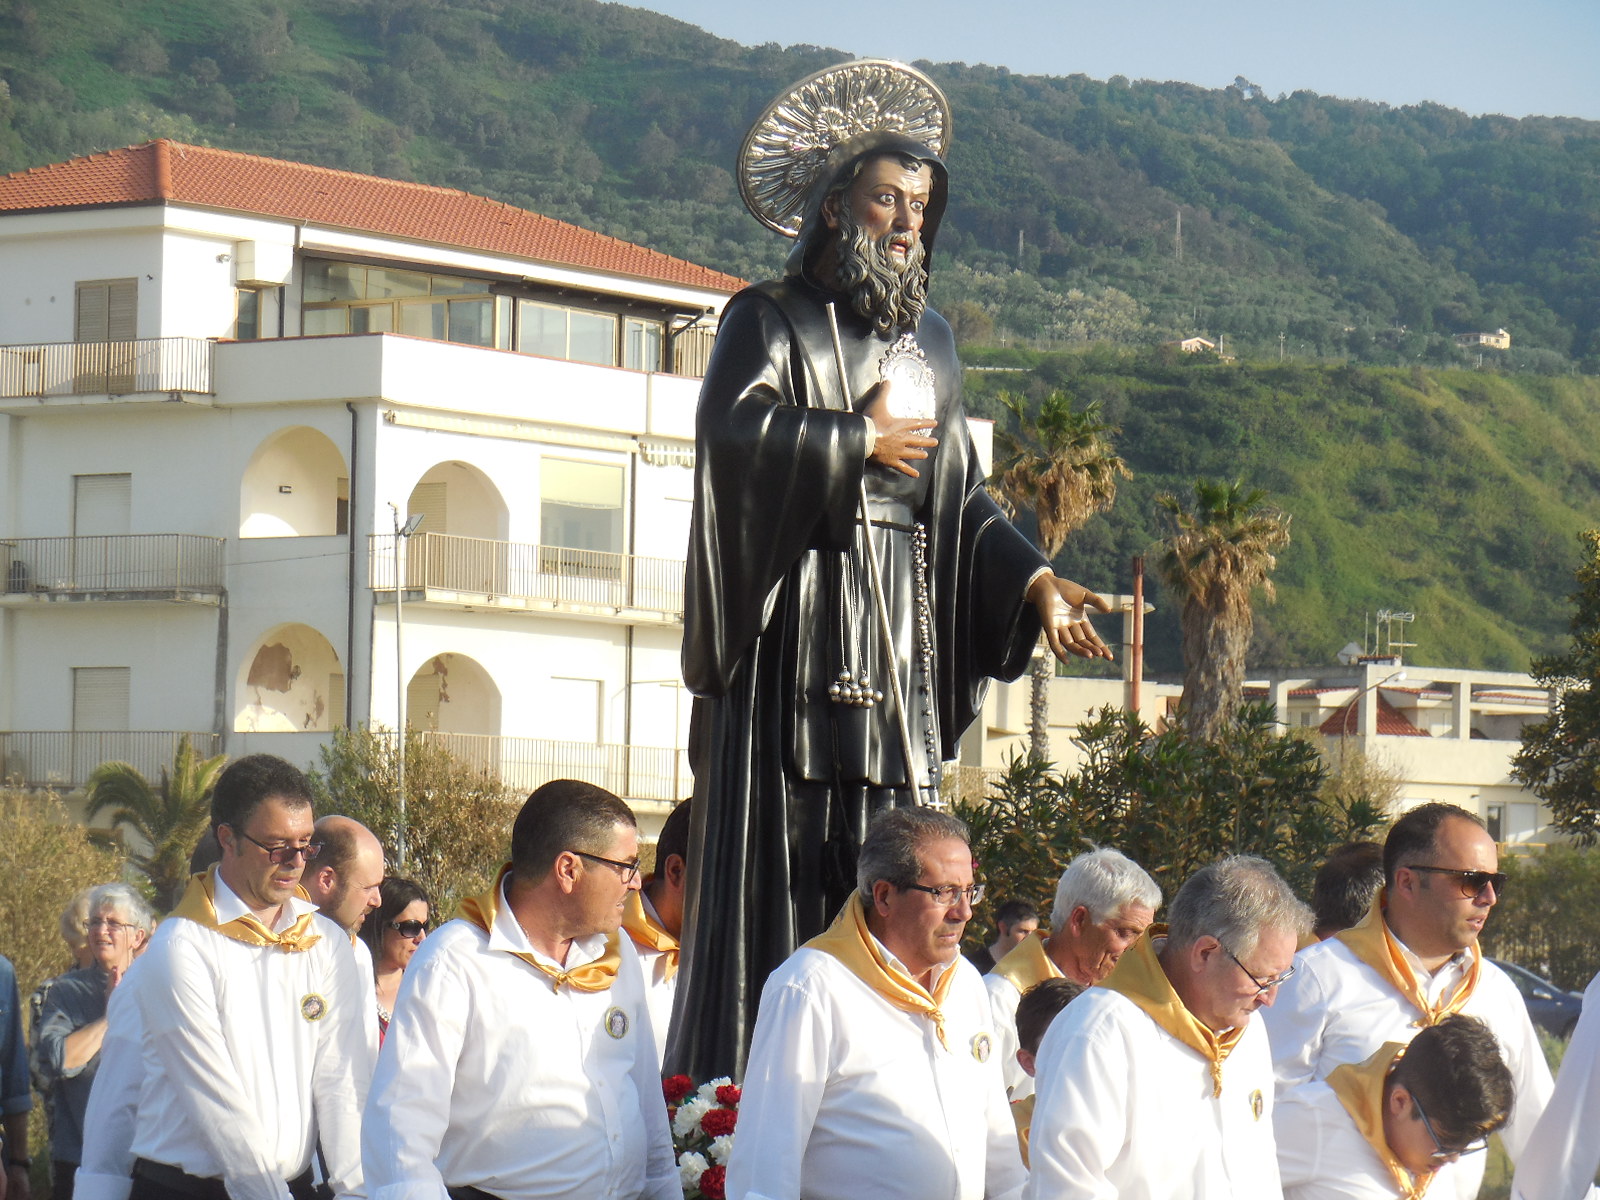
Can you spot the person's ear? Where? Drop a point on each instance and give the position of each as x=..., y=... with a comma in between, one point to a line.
x=674, y=871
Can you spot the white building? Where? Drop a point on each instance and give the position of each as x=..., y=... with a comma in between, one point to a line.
x=225, y=379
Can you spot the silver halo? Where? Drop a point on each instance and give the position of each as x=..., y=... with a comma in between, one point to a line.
x=790, y=141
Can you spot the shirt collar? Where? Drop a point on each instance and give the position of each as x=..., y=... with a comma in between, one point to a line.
x=230, y=908
x=1415, y=962
x=508, y=935
x=888, y=955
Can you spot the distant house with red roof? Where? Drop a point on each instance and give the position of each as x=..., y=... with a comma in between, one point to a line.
x=226, y=381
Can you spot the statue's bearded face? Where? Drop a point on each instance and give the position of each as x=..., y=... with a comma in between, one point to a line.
x=877, y=223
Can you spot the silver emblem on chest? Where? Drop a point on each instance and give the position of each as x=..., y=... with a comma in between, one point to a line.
x=906, y=366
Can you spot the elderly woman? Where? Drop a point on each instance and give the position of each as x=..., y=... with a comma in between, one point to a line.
x=72, y=1022
x=393, y=934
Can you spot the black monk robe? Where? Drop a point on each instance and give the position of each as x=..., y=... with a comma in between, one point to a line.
x=786, y=780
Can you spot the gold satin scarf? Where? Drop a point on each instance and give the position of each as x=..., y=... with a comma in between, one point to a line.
x=199, y=904
x=647, y=931
x=1139, y=977
x=849, y=940
x=596, y=976
x=1374, y=945
x=1026, y=964
x=1360, y=1087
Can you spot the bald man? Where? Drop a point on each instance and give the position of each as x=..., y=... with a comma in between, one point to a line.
x=343, y=882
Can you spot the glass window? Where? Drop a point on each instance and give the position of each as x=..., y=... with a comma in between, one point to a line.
x=372, y=318
x=384, y=282
x=580, y=505
x=594, y=338
x=541, y=329
x=423, y=320
x=641, y=345
x=319, y=321
x=472, y=322
x=248, y=327
x=334, y=281
x=443, y=286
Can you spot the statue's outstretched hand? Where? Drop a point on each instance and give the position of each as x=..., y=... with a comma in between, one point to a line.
x=900, y=439
x=1063, y=611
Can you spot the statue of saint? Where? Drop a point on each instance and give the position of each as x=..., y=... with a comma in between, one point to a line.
x=851, y=586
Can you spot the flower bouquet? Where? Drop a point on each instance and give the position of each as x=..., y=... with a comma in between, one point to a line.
x=702, y=1132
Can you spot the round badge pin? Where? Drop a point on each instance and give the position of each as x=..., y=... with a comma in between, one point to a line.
x=616, y=1022
x=1258, y=1103
x=982, y=1047
x=313, y=1007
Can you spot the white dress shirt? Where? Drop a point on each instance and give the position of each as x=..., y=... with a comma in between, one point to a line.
x=491, y=1077
x=659, y=989
x=1124, y=1109
x=1003, y=1001
x=1563, y=1152
x=362, y=954
x=1337, y=1009
x=1322, y=1155
x=246, y=1056
x=847, y=1096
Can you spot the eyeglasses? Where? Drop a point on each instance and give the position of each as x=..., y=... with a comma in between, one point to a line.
x=410, y=929
x=947, y=894
x=1262, y=985
x=628, y=870
x=278, y=855
x=1440, y=1153
x=1471, y=883
x=110, y=924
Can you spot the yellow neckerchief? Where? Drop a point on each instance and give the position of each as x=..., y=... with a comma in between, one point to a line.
x=644, y=928
x=1026, y=964
x=1374, y=945
x=1139, y=977
x=849, y=940
x=1022, y=1114
x=1360, y=1088
x=199, y=904
x=596, y=976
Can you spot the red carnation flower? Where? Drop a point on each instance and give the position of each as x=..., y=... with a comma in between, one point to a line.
x=728, y=1094
x=676, y=1087
x=719, y=1121
x=714, y=1183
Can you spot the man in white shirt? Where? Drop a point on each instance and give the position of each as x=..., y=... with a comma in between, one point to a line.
x=241, y=1035
x=653, y=918
x=1157, y=1085
x=1399, y=1124
x=1104, y=901
x=520, y=1061
x=1410, y=963
x=345, y=883
x=873, y=1068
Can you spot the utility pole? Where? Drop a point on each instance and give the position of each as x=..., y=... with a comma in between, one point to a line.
x=1178, y=239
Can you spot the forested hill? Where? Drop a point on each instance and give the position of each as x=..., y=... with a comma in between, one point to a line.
x=1353, y=229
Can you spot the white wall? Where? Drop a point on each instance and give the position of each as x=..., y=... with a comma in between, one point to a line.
x=308, y=463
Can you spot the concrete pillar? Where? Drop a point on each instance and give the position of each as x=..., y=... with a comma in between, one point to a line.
x=1461, y=709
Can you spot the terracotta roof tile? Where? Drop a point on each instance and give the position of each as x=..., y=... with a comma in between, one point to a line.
x=200, y=175
x=1391, y=722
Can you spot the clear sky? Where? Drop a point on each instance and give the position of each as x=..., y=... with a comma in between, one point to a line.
x=1520, y=58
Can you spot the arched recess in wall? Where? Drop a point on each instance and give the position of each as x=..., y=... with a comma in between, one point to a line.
x=296, y=485
x=452, y=693
x=291, y=681
x=460, y=543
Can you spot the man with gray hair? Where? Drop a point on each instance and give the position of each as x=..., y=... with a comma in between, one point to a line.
x=1157, y=1084
x=1104, y=901
x=874, y=1057
x=72, y=1022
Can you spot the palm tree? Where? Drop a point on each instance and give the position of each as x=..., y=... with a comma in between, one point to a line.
x=169, y=818
x=1220, y=550
x=1063, y=468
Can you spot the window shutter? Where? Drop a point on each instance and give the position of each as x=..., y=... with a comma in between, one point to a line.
x=100, y=698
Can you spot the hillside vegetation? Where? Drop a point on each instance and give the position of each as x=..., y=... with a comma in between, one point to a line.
x=1353, y=229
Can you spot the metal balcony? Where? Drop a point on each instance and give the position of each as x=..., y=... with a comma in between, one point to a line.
x=134, y=566
x=172, y=365
x=481, y=572
x=66, y=759
x=633, y=772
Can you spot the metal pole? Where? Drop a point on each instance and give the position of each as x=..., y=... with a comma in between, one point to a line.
x=400, y=692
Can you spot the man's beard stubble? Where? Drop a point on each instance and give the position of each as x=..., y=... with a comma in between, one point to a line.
x=888, y=295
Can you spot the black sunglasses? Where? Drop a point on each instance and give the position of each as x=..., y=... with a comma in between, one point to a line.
x=1471, y=883
x=278, y=855
x=409, y=929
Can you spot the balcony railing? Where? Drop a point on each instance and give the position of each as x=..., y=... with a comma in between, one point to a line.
x=635, y=772
x=57, y=759
x=169, y=564
x=114, y=368
x=529, y=574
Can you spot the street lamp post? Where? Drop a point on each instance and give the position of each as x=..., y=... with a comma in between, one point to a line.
x=401, y=534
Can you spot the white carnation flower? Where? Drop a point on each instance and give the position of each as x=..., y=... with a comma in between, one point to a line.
x=687, y=1121
x=708, y=1090
x=690, y=1167
x=720, y=1149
